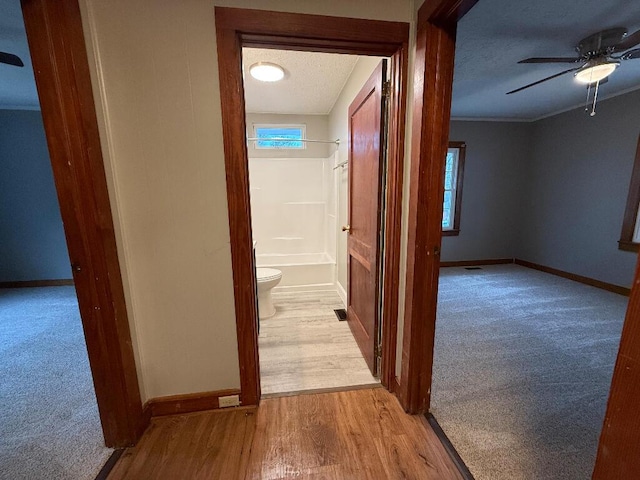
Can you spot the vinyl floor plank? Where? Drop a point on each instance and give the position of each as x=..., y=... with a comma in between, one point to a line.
x=305, y=347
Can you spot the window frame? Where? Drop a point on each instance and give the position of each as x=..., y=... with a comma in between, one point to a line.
x=457, y=202
x=301, y=126
x=631, y=210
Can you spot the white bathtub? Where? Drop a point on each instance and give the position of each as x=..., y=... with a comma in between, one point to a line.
x=301, y=271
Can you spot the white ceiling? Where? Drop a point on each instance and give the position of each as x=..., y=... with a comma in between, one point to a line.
x=311, y=84
x=17, y=85
x=492, y=37
x=496, y=34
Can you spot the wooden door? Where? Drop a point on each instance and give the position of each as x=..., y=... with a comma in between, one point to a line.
x=366, y=148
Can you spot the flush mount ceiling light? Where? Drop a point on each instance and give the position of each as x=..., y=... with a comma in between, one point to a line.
x=596, y=71
x=266, y=72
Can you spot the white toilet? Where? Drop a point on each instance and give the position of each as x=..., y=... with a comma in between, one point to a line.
x=267, y=279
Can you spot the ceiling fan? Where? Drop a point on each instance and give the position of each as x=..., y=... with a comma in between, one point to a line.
x=598, y=56
x=11, y=59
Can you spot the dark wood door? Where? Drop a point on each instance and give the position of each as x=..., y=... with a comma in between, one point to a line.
x=363, y=245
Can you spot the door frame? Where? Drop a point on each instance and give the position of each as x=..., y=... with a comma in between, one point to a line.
x=431, y=109
x=435, y=49
x=59, y=57
x=237, y=28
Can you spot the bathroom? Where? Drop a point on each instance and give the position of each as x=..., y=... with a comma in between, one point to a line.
x=297, y=145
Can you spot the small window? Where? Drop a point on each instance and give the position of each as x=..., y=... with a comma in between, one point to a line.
x=280, y=136
x=453, y=174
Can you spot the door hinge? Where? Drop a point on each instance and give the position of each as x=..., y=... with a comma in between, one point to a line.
x=386, y=88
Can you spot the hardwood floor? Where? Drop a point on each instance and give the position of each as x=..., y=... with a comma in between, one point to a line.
x=360, y=434
x=305, y=347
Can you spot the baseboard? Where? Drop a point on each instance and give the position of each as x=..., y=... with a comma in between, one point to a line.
x=470, y=263
x=192, y=402
x=576, y=278
x=304, y=288
x=343, y=293
x=37, y=283
x=448, y=446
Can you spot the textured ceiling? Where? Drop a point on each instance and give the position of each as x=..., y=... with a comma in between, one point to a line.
x=492, y=37
x=311, y=85
x=17, y=85
x=495, y=34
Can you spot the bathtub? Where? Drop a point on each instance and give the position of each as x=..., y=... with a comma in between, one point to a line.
x=301, y=271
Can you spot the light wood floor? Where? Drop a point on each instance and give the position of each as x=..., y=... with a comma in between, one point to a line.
x=305, y=347
x=360, y=434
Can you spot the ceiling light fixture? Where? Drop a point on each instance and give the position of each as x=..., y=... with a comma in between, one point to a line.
x=596, y=71
x=266, y=72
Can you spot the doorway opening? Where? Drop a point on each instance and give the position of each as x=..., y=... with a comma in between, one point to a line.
x=50, y=423
x=235, y=29
x=517, y=329
x=315, y=172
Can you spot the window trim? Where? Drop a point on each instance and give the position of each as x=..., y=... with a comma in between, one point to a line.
x=301, y=126
x=631, y=210
x=455, y=230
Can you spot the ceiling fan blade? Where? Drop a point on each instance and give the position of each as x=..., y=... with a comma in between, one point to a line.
x=550, y=60
x=11, y=59
x=628, y=42
x=543, y=80
x=631, y=54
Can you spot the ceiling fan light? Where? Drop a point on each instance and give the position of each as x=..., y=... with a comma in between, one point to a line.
x=266, y=72
x=595, y=73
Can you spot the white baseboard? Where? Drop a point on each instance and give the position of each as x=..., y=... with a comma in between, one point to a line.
x=343, y=294
x=305, y=288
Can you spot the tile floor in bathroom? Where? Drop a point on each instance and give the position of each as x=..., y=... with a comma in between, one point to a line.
x=305, y=347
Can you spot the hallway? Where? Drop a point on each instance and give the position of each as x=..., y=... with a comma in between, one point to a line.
x=360, y=434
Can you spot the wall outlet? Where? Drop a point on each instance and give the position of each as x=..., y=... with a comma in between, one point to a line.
x=229, y=401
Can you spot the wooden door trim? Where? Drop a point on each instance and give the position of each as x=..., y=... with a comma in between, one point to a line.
x=236, y=28
x=433, y=80
x=436, y=28
x=617, y=455
x=59, y=57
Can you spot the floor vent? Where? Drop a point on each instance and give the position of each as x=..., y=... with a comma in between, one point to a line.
x=473, y=268
x=341, y=313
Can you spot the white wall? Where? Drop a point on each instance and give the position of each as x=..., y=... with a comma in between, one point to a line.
x=339, y=128
x=292, y=190
x=155, y=76
x=289, y=205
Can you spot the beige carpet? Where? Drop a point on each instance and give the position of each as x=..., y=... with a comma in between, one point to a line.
x=522, y=370
x=49, y=424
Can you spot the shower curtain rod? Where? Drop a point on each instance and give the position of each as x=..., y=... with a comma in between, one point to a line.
x=337, y=141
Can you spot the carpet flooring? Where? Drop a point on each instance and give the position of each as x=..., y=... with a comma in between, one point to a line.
x=522, y=370
x=49, y=424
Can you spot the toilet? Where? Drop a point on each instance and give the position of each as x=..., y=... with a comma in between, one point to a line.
x=267, y=279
